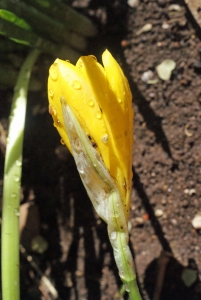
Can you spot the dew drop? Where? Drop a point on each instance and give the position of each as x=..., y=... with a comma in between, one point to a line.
x=51, y=93
x=93, y=57
x=80, y=65
x=16, y=212
x=13, y=195
x=113, y=235
x=52, y=111
x=54, y=71
x=62, y=142
x=126, y=288
x=76, y=85
x=16, y=178
x=91, y=103
x=119, y=100
x=98, y=115
x=80, y=168
x=18, y=163
x=104, y=138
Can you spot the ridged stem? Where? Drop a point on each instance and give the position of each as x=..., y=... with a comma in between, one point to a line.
x=12, y=179
x=118, y=235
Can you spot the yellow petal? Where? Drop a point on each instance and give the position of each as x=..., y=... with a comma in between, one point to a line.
x=119, y=116
x=67, y=83
x=113, y=95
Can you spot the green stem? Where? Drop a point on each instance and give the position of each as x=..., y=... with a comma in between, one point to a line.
x=133, y=291
x=12, y=179
x=118, y=234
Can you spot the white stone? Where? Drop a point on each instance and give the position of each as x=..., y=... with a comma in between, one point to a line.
x=158, y=212
x=196, y=222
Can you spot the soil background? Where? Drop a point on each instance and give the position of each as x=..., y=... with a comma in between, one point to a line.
x=166, y=193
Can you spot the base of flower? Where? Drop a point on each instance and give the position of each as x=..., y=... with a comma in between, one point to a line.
x=133, y=291
x=118, y=235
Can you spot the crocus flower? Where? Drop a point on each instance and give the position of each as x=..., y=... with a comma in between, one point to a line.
x=91, y=106
x=101, y=101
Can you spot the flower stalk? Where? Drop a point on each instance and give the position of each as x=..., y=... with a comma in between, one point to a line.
x=12, y=179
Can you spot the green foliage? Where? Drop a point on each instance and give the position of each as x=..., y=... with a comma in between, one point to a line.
x=13, y=18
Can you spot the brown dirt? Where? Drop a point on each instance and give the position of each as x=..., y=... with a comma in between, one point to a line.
x=166, y=166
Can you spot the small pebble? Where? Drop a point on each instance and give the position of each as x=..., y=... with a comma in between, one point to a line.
x=133, y=3
x=173, y=221
x=165, y=25
x=79, y=273
x=146, y=76
x=192, y=192
x=158, y=213
x=184, y=203
x=196, y=222
x=139, y=220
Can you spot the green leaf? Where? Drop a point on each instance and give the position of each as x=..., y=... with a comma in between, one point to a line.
x=13, y=18
x=44, y=3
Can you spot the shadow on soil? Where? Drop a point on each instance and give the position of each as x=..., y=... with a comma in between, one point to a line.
x=165, y=276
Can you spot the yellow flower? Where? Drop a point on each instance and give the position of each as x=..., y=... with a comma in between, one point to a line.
x=101, y=101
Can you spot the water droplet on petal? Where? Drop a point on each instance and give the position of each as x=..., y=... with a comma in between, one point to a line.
x=91, y=103
x=16, y=212
x=54, y=71
x=80, y=168
x=18, y=163
x=52, y=111
x=51, y=93
x=119, y=100
x=62, y=142
x=76, y=85
x=113, y=235
x=79, y=65
x=93, y=57
x=98, y=115
x=126, y=288
x=16, y=178
x=104, y=138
